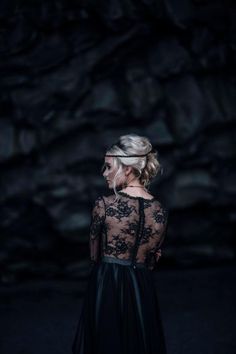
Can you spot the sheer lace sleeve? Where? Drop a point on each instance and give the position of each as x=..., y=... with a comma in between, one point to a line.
x=97, y=221
x=161, y=218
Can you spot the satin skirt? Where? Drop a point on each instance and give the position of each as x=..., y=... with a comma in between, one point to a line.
x=120, y=311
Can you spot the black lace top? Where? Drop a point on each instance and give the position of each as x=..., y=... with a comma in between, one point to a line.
x=130, y=228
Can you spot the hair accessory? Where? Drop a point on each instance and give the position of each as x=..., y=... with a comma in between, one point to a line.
x=118, y=144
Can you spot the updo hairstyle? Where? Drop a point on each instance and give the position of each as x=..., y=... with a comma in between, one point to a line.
x=144, y=167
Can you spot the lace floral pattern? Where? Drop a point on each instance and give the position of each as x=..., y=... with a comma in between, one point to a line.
x=122, y=210
x=126, y=228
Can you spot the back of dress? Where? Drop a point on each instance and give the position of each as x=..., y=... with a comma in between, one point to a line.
x=130, y=228
x=120, y=312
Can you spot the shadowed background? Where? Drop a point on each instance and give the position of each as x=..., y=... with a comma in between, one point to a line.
x=74, y=77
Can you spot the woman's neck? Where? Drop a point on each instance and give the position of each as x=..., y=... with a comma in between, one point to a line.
x=135, y=188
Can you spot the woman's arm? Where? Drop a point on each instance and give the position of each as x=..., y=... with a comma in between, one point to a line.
x=161, y=218
x=96, y=225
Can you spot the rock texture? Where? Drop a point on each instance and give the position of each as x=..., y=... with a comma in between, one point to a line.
x=77, y=75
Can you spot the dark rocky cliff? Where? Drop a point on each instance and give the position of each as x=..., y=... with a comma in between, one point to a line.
x=75, y=76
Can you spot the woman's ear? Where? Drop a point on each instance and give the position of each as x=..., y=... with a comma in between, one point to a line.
x=128, y=170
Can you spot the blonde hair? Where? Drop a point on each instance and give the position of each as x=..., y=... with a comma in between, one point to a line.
x=144, y=167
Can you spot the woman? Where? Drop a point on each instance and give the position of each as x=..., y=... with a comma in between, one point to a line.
x=120, y=311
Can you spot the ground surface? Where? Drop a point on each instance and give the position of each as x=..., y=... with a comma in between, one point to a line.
x=197, y=306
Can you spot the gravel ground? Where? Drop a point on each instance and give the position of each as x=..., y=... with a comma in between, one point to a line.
x=197, y=305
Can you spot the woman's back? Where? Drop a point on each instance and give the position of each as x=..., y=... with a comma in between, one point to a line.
x=120, y=312
x=130, y=228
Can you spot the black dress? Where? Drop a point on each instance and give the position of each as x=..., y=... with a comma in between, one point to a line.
x=120, y=311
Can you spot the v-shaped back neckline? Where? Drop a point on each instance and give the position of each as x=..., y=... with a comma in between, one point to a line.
x=136, y=197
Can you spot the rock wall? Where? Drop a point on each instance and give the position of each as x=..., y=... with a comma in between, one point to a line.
x=77, y=75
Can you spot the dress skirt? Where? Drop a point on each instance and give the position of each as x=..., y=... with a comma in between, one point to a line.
x=120, y=311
